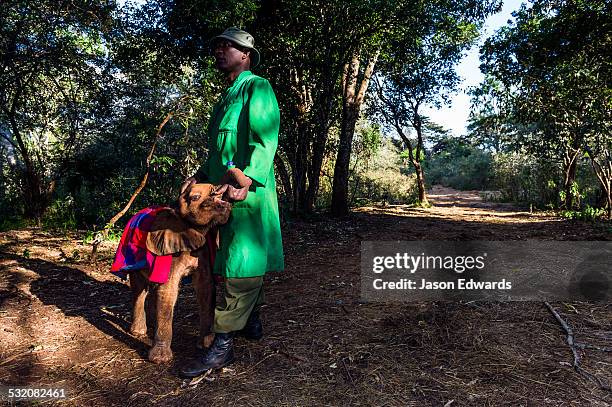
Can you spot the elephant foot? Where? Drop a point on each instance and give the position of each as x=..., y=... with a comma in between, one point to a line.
x=138, y=330
x=160, y=354
x=206, y=341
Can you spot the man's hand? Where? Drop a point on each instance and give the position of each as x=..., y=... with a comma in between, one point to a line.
x=237, y=178
x=187, y=183
x=231, y=193
x=234, y=185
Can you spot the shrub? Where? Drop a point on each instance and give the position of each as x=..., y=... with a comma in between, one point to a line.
x=531, y=180
x=588, y=214
x=376, y=175
x=456, y=163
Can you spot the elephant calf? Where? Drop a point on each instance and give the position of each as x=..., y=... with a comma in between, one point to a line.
x=182, y=233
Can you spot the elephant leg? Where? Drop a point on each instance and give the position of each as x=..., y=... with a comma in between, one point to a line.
x=139, y=286
x=164, y=310
x=205, y=293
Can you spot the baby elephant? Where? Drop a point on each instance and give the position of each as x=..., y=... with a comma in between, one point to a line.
x=181, y=233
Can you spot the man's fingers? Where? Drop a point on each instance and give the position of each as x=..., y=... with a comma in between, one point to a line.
x=220, y=190
x=187, y=183
x=236, y=194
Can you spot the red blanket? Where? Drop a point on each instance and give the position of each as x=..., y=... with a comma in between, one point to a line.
x=132, y=253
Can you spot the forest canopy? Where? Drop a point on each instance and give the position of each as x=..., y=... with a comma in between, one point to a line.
x=85, y=86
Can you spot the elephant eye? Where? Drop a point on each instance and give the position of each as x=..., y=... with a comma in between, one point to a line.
x=194, y=197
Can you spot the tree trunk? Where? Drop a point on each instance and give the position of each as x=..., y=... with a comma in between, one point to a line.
x=352, y=98
x=35, y=198
x=299, y=169
x=300, y=144
x=420, y=183
x=603, y=171
x=314, y=174
x=418, y=126
x=570, y=164
x=284, y=176
x=320, y=140
x=341, y=170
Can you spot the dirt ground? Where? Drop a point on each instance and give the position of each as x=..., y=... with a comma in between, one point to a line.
x=64, y=323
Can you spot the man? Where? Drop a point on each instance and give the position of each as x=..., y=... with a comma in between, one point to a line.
x=243, y=136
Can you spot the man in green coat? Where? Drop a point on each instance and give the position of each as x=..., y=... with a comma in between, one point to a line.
x=243, y=137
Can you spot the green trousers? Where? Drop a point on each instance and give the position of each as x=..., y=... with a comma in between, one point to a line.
x=241, y=297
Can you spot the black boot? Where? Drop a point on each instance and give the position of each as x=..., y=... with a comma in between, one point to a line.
x=220, y=353
x=253, y=330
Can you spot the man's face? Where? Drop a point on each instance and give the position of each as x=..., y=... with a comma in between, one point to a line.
x=228, y=57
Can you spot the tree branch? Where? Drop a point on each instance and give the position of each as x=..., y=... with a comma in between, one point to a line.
x=103, y=234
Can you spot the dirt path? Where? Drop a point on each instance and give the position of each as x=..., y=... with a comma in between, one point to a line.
x=63, y=323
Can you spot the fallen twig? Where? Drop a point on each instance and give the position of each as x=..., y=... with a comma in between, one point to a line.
x=10, y=359
x=573, y=346
x=594, y=347
x=291, y=356
x=347, y=371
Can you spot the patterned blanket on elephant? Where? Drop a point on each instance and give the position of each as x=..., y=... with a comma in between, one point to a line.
x=132, y=253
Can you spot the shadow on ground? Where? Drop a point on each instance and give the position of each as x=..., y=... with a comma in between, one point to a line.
x=77, y=295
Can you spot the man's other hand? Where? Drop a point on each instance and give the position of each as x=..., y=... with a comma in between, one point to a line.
x=231, y=193
x=234, y=176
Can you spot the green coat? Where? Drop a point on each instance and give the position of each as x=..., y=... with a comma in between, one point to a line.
x=244, y=129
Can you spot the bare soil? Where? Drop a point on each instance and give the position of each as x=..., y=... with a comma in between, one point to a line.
x=64, y=323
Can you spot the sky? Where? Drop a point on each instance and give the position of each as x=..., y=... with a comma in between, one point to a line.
x=454, y=117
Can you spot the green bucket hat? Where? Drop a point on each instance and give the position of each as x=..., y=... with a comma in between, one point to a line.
x=242, y=38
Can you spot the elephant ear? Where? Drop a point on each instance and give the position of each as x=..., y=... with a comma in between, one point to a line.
x=170, y=234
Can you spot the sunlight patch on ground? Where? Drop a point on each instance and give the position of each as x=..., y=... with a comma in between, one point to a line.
x=468, y=206
x=466, y=214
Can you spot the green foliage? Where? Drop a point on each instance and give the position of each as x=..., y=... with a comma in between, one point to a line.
x=521, y=178
x=576, y=194
x=61, y=215
x=405, y=154
x=367, y=141
x=85, y=85
x=526, y=179
x=52, y=86
x=421, y=71
x=376, y=174
x=490, y=124
x=460, y=166
x=587, y=214
x=163, y=164
x=14, y=223
x=380, y=178
x=11, y=202
x=548, y=87
x=386, y=186
x=114, y=235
